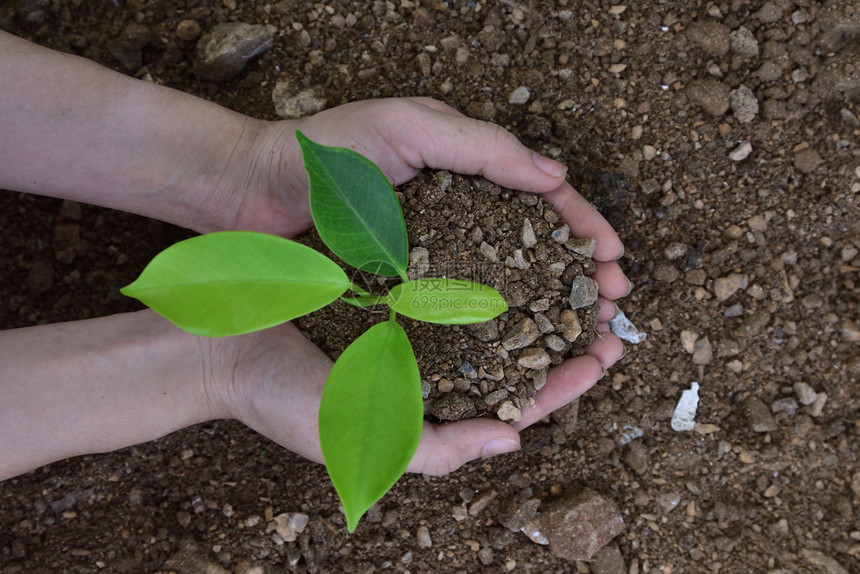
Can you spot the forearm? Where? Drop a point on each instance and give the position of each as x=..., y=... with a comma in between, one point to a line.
x=76, y=130
x=98, y=385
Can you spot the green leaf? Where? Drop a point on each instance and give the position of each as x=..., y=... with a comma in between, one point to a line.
x=370, y=417
x=355, y=210
x=448, y=301
x=234, y=282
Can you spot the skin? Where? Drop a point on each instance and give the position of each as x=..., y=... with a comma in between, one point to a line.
x=75, y=130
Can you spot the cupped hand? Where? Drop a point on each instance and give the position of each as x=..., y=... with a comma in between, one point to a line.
x=278, y=377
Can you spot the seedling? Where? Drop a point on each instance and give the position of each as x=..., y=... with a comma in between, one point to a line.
x=235, y=282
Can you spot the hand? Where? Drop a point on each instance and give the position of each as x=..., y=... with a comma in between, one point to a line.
x=279, y=375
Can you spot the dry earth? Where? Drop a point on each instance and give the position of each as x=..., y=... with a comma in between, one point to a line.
x=721, y=138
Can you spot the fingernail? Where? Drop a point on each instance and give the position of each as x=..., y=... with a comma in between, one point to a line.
x=629, y=288
x=549, y=166
x=500, y=446
x=620, y=255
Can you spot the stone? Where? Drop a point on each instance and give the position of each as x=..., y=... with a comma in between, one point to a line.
x=584, y=247
x=423, y=537
x=743, y=44
x=518, y=513
x=807, y=160
x=583, y=292
x=579, y=524
x=636, y=457
x=725, y=287
x=626, y=330
x=741, y=152
x=571, y=327
x=508, y=412
x=711, y=37
x=519, y=96
x=743, y=103
x=555, y=343
x=489, y=252
x=684, y=415
x=291, y=105
x=226, y=50
x=543, y=323
x=561, y=235
x=521, y=335
x=786, y=405
x=188, y=30
x=702, y=352
x=758, y=415
x=710, y=95
x=528, y=234
x=805, y=394
x=827, y=564
x=419, y=263
x=289, y=526
x=534, y=358
x=608, y=560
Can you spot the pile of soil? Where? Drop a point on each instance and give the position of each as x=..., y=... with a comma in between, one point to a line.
x=736, y=126
x=470, y=228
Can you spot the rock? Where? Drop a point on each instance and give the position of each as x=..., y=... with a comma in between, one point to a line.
x=419, y=263
x=508, y=412
x=583, y=292
x=519, y=96
x=758, y=415
x=702, y=353
x=579, y=524
x=292, y=106
x=608, y=560
x=544, y=324
x=127, y=47
x=826, y=563
x=711, y=37
x=669, y=501
x=741, y=152
x=481, y=501
x=584, y=247
x=807, y=160
x=743, y=44
x=626, y=330
x=188, y=30
x=743, y=103
x=521, y=335
x=636, y=456
x=675, y=251
x=787, y=405
x=224, y=52
x=423, y=537
x=486, y=331
x=528, y=234
x=489, y=252
x=562, y=234
x=769, y=13
x=725, y=287
x=805, y=394
x=571, y=327
x=684, y=415
x=855, y=483
x=711, y=95
x=534, y=358
x=817, y=406
x=289, y=526
x=555, y=343
x=453, y=406
x=519, y=513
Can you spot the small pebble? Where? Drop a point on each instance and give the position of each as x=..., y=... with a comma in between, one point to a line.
x=741, y=152
x=583, y=292
x=519, y=96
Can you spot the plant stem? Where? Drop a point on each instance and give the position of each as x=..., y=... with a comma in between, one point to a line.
x=356, y=289
x=364, y=300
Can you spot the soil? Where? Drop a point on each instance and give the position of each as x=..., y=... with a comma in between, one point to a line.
x=720, y=138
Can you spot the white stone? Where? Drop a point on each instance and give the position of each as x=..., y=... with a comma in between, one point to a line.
x=684, y=417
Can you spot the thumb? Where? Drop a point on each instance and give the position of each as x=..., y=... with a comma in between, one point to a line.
x=439, y=137
x=446, y=447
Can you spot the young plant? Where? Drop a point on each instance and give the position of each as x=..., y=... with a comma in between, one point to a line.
x=235, y=282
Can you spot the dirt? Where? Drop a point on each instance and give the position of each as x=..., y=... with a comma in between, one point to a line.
x=738, y=207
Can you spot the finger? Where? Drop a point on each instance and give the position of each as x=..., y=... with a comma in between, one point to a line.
x=436, y=105
x=607, y=348
x=446, y=447
x=585, y=221
x=611, y=281
x=564, y=383
x=435, y=136
x=608, y=309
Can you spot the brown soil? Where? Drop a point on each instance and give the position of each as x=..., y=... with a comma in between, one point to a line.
x=746, y=272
